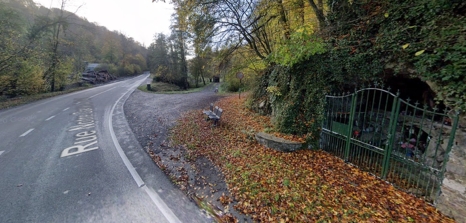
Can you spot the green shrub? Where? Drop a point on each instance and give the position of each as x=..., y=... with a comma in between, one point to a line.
x=30, y=81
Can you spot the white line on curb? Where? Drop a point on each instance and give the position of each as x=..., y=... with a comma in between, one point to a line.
x=50, y=118
x=122, y=154
x=24, y=134
x=166, y=211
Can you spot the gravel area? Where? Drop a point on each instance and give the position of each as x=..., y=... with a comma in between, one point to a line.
x=150, y=117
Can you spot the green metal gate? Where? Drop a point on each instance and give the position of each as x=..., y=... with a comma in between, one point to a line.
x=403, y=143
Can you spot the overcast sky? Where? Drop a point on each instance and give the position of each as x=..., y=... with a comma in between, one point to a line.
x=139, y=19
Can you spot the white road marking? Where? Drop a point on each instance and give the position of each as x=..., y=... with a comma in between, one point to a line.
x=1, y=152
x=166, y=211
x=77, y=149
x=83, y=140
x=66, y=109
x=122, y=154
x=50, y=118
x=24, y=134
x=21, y=108
x=102, y=92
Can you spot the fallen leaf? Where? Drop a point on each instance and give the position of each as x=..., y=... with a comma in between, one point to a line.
x=418, y=53
x=318, y=186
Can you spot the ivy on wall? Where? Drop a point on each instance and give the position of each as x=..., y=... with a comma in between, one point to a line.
x=371, y=41
x=419, y=38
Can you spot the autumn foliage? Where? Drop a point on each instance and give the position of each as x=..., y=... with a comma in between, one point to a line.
x=303, y=186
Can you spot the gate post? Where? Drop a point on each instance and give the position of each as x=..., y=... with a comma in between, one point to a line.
x=391, y=135
x=350, y=126
x=451, y=139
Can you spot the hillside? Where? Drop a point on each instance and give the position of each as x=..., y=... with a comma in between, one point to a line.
x=45, y=49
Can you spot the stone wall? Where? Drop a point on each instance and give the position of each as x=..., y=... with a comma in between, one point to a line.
x=278, y=144
x=452, y=200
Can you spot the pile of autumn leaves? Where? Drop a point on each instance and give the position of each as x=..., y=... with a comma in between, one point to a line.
x=303, y=186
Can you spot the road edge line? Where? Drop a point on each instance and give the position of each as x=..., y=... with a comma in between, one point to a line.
x=120, y=151
x=166, y=211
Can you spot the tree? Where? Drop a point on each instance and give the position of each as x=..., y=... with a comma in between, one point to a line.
x=240, y=22
x=54, y=26
x=19, y=61
x=158, y=53
x=112, y=51
x=179, y=49
x=54, y=44
x=13, y=42
x=319, y=12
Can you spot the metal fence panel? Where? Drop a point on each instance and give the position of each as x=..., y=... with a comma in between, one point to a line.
x=403, y=143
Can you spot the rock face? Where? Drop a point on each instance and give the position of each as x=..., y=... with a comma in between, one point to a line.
x=276, y=143
x=452, y=200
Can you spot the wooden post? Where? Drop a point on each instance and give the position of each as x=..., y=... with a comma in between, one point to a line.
x=240, y=76
x=239, y=89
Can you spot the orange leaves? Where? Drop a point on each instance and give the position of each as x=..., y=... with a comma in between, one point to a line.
x=289, y=137
x=303, y=186
x=225, y=200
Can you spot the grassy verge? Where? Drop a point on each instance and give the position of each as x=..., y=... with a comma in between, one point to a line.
x=12, y=102
x=165, y=88
x=304, y=186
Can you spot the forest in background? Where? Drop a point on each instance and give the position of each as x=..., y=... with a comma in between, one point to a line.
x=293, y=52
x=46, y=50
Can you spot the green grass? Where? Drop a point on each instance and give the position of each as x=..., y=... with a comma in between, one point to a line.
x=165, y=88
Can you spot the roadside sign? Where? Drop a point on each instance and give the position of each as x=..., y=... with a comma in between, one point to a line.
x=239, y=75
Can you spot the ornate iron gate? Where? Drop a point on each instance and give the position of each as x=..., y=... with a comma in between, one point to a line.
x=400, y=142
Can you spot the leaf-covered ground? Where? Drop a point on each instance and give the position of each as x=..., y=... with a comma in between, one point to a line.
x=304, y=186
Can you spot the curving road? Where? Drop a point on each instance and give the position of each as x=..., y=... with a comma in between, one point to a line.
x=73, y=158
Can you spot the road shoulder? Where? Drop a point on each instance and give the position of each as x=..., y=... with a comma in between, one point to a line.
x=154, y=179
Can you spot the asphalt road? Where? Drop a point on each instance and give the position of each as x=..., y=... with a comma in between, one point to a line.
x=73, y=158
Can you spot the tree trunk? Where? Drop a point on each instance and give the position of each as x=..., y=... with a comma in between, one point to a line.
x=196, y=82
x=320, y=4
x=55, y=61
x=201, y=75
x=184, y=68
x=319, y=13
x=203, y=79
x=300, y=10
x=56, y=43
x=284, y=20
